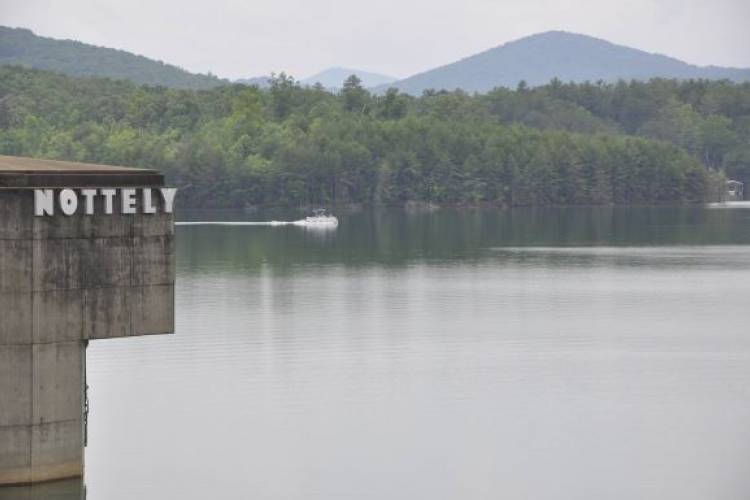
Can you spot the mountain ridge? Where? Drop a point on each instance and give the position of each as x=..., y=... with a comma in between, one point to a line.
x=538, y=58
x=22, y=47
x=535, y=59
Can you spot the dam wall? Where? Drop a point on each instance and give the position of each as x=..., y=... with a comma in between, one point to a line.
x=97, y=262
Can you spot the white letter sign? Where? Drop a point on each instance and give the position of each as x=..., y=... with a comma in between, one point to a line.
x=168, y=195
x=68, y=201
x=44, y=202
x=89, y=195
x=108, y=195
x=128, y=201
x=148, y=204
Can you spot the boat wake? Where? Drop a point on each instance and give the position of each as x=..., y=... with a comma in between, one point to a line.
x=233, y=223
x=315, y=223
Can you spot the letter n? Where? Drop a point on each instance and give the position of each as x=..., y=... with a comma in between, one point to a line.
x=44, y=202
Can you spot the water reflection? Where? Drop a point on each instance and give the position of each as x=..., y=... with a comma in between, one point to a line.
x=717, y=257
x=478, y=354
x=395, y=237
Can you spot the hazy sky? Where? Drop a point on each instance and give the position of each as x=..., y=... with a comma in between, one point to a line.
x=236, y=38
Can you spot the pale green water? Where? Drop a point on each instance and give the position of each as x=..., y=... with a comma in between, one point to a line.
x=555, y=354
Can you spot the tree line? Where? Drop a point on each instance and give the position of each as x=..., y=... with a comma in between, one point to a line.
x=661, y=141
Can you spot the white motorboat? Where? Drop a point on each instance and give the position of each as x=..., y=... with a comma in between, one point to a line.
x=319, y=219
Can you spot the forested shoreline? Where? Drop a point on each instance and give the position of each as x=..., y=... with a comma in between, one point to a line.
x=661, y=141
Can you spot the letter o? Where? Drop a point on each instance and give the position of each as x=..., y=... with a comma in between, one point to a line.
x=68, y=201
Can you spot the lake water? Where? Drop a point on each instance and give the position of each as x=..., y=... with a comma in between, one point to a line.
x=589, y=353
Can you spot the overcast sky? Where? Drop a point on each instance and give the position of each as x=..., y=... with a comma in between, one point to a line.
x=244, y=38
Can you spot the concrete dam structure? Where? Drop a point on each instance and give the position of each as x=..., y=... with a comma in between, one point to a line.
x=86, y=252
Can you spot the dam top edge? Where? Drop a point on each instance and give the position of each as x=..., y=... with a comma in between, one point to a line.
x=52, y=181
x=21, y=172
x=22, y=164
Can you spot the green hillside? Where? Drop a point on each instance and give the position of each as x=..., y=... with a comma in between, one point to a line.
x=662, y=141
x=23, y=48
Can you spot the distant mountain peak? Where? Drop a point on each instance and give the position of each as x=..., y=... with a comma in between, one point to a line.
x=537, y=59
x=333, y=78
x=258, y=81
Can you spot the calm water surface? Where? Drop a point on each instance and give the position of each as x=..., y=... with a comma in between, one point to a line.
x=526, y=354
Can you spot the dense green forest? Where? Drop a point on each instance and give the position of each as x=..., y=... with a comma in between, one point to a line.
x=22, y=47
x=630, y=142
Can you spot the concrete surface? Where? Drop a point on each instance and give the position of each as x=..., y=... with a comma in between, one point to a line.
x=65, y=280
